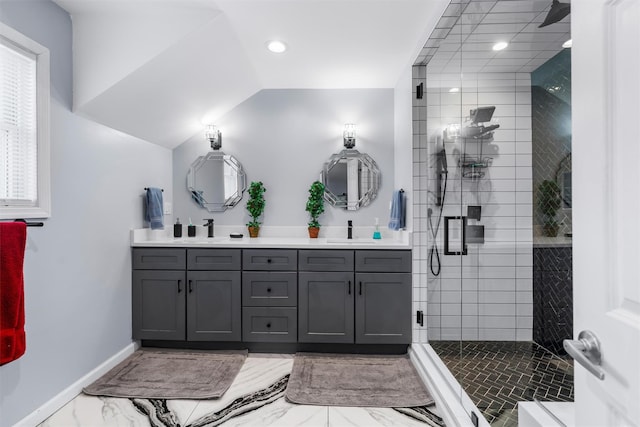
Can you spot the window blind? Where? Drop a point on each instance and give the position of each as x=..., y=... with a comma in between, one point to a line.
x=18, y=127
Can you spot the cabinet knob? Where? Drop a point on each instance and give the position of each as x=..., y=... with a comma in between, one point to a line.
x=269, y=290
x=268, y=325
x=268, y=260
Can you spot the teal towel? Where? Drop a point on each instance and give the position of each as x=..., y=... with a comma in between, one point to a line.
x=397, y=220
x=154, y=212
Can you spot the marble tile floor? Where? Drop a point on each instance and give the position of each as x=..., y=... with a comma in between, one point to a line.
x=256, y=398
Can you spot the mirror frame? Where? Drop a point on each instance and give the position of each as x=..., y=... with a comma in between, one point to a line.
x=241, y=181
x=367, y=162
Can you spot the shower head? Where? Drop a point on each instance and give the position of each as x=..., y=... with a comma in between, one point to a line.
x=557, y=12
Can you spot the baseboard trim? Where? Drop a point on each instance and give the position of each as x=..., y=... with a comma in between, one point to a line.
x=66, y=395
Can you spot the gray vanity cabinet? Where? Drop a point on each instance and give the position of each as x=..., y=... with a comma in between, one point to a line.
x=383, y=308
x=158, y=293
x=186, y=294
x=325, y=307
x=158, y=304
x=269, y=295
x=213, y=306
x=371, y=305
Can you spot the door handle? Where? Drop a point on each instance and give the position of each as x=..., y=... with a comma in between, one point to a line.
x=586, y=351
x=349, y=287
x=179, y=287
x=360, y=288
x=190, y=286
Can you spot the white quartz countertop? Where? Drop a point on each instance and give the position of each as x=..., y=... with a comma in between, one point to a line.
x=282, y=237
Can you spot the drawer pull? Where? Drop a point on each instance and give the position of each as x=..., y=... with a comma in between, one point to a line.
x=190, y=286
x=268, y=260
x=360, y=288
x=268, y=325
x=349, y=287
x=179, y=287
x=269, y=290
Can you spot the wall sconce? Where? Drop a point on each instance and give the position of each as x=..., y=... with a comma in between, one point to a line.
x=212, y=133
x=349, y=135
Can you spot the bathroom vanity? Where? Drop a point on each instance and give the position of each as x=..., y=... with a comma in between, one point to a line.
x=275, y=294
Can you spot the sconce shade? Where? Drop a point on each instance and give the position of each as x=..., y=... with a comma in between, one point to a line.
x=212, y=133
x=349, y=135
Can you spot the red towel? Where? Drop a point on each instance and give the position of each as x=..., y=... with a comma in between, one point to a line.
x=13, y=238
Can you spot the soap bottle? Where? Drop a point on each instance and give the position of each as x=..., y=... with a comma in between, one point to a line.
x=177, y=228
x=376, y=231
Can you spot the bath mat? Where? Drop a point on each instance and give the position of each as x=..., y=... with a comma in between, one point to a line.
x=171, y=374
x=356, y=380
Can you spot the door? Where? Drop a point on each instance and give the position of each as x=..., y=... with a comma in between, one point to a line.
x=383, y=308
x=158, y=303
x=325, y=309
x=606, y=114
x=214, y=306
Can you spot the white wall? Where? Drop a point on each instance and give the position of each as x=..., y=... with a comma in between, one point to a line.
x=486, y=294
x=282, y=137
x=402, y=103
x=78, y=266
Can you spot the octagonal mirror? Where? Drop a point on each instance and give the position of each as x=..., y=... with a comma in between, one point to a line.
x=216, y=181
x=351, y=179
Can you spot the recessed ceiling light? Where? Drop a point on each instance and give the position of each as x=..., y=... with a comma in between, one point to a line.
x=500, y=45
x=454, y=89
x=567, y=44
x=276, y=46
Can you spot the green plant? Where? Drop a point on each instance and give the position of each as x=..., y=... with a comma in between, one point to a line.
x=315, y=203
x=255, y=204
x=549, y=201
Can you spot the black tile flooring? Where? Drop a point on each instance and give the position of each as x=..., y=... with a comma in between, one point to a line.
x=496, y=375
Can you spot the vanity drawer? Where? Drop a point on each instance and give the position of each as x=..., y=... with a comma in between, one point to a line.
x=270, y=288
x=269, y=324
x=159, y=259
x=383, y=261
x=325, y=260
x=269, y=259
x=213, y=259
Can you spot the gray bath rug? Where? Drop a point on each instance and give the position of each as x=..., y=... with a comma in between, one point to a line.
x=171, y=374
x=356, y=380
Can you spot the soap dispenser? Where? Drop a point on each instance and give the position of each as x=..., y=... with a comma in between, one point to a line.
x=376, y=231
x=177, y=228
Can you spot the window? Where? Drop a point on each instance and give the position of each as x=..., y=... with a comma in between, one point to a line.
x=24, y=127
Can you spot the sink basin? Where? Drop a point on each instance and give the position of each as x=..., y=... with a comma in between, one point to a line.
x=352, y=241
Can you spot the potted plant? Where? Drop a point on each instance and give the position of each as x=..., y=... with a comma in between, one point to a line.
x=255, y=206
x=549, y=202
x=315, y=207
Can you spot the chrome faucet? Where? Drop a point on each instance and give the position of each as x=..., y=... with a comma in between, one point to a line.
x=349, y=229
x=209, y=226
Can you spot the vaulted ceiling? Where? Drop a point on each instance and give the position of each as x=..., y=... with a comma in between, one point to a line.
x=160, y=69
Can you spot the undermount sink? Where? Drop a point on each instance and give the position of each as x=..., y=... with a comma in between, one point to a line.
x=352, y=241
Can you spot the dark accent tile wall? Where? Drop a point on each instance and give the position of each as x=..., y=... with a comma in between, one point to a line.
x=552, y=297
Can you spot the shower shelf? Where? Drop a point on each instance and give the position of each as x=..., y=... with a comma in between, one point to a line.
x=474, y=167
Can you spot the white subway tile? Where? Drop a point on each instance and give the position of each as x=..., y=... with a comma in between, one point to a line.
x=469, y=321
x=524, y=285
x=450, y=334
x=524, y=310
x=497, y=99
x=496, y=322
x=524, y=297
x=497, y=334
x=491, y=285
x=497, y=309
x=469, y=334
x=524, y=334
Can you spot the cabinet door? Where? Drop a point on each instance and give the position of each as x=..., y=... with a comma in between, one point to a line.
x=213, y=306
x=158, y=300
x=325, y=307
x=383, y=308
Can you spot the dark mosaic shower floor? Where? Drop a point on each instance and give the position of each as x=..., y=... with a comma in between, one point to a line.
x=497, y=375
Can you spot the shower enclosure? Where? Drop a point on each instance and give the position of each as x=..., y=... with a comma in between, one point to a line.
x=492, y=192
